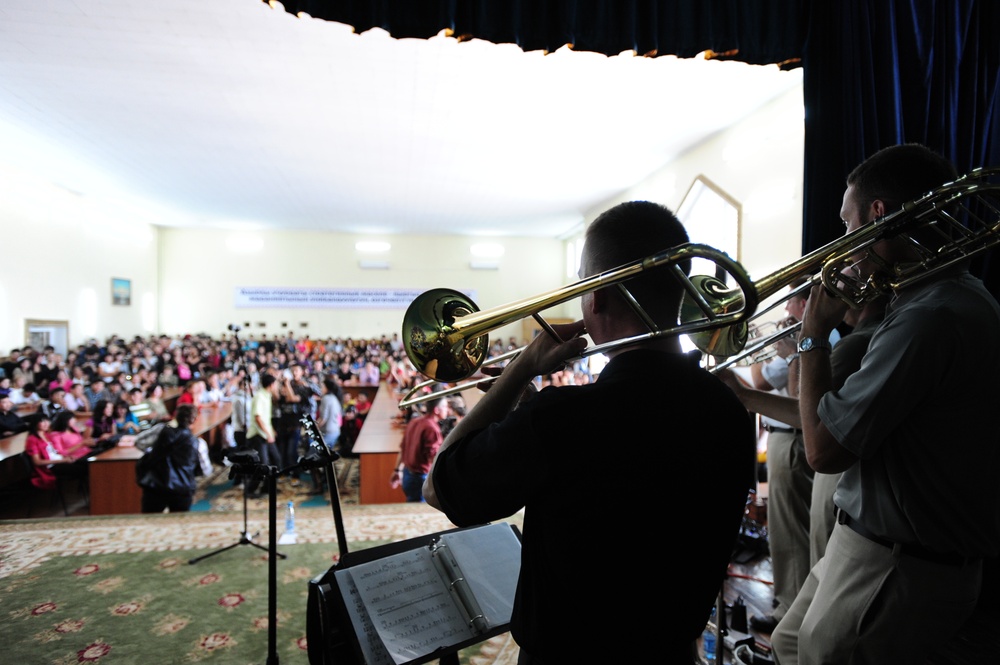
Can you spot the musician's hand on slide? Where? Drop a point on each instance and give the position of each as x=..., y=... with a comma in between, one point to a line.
x=823, y=312
x=545, y=355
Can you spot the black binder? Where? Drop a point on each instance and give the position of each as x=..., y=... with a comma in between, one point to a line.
x=332, y=637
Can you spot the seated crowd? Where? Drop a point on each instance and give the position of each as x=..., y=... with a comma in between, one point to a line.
x=105, y=394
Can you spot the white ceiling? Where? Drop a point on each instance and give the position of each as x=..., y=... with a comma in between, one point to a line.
x=232, y=114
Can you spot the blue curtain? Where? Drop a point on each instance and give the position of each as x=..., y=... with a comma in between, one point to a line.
x=878, y=73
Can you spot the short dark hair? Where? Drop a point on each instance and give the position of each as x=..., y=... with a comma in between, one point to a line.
x=898, y=174
x=267, y=379
x=186, y=415
x=332, y=386
x=630, y=231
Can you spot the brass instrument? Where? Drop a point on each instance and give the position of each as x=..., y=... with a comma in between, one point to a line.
x=762, y=349
x=965, y=212
x=445, y=334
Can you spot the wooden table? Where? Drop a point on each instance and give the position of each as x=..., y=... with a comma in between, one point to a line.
x=113, y=490
x=378, y=445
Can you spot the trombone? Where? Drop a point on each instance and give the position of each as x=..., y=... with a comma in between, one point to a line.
x=762, y=349
x=445, y=333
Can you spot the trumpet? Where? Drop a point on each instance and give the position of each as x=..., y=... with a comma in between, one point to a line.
x=444, y=332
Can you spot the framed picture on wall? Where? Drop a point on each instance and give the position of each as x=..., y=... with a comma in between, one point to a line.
x=121, y=291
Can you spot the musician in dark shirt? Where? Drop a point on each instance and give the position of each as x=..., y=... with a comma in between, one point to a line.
x=583, y=589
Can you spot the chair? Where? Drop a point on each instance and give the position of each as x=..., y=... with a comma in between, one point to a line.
x=29, y=467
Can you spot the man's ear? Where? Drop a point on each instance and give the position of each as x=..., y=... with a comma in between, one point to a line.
x=878, y=208
x=599, y=301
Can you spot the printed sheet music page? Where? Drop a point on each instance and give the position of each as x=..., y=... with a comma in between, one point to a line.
x=402, y=609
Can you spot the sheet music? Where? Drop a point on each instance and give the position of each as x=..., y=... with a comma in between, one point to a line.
x=372, y=647
x=407, y=604
x=491, y=563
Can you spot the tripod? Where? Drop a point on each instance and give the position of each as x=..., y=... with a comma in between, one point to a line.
x=244, y=462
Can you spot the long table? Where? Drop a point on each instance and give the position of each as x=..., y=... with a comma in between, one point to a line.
x=378, y=445
x=113, y=489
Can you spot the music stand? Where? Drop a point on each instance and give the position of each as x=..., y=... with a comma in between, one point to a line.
x=328, y=636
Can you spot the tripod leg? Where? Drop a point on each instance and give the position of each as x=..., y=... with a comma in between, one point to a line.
x=205, y=556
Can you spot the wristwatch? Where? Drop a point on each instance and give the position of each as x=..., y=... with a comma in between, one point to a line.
x=813, y=343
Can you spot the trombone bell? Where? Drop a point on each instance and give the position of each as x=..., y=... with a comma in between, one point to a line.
x=431, y=341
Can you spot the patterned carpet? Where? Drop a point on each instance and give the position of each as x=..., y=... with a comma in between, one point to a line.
x=120, y=589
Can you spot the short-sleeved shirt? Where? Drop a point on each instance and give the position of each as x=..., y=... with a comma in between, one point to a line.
x=260, y=405
x=920, y=416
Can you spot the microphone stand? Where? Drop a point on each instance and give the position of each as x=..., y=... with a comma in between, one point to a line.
x=244, y=461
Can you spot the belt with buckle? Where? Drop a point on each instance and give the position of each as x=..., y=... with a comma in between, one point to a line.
x=909, y=549
x=773, y=428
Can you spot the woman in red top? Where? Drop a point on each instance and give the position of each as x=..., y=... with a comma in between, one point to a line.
x=48, y=462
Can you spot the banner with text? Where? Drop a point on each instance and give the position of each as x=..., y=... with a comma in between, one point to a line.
x=324, y=298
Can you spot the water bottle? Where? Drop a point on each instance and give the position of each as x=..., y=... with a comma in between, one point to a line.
x=290, y=517
x=708, y=642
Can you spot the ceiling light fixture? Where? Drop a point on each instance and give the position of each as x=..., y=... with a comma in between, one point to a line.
x=372, y=246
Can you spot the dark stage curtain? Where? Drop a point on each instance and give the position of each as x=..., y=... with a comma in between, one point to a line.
x=876, y=72
x=757, y=32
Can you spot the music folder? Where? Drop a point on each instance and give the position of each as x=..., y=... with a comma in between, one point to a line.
x=421, y=599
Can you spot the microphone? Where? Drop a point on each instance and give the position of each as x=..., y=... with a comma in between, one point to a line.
x=234, y=327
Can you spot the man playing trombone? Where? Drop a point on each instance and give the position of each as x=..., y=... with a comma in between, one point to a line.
x=914, y=433
x=583, y=588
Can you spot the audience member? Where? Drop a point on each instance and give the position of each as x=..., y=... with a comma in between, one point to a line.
x=48, y=463
x=62, y=380
x=167, y=472
x=10, y=422
x=55, y=403
x=261, y=436
x=97, y=392
x=193, y=390
x=296, y=400
x=125, y=421
x=69, y=436
x=158, y=409
x=369, y=374
x=76, y=398
x=421, y=441
x=25, y=395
